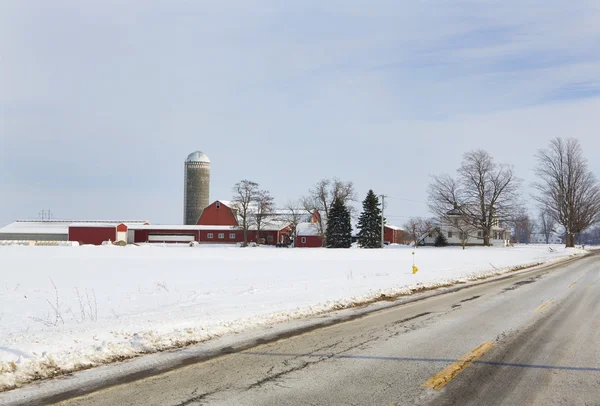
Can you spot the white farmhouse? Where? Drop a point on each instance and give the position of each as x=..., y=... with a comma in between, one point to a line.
x=456, y=230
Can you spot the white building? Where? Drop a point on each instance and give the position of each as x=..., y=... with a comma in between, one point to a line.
x=454, y=229
x=538, y=238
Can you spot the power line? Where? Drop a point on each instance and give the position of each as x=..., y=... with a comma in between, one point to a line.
x=405, y=199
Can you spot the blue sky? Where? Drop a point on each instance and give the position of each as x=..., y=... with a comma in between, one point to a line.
x=100, y=102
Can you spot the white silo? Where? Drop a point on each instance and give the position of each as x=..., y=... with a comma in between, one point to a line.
x=196, y=187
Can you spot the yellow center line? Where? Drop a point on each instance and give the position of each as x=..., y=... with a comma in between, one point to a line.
x=540, y=307
x=571, y=285
x=439, y=380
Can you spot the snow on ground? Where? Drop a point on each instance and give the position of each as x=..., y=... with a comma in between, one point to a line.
x=68, y=308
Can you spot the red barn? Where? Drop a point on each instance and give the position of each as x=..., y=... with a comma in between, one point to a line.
x=220, y=224
x=95, y=233
x=307, y=236
x=219, y=213
x=393, y=234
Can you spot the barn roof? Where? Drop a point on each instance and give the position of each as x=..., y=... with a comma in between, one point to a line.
x=55, y=227
x=307, y=230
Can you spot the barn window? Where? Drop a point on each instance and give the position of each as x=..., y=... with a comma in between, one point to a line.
x=303, y=240
x=232, y=236
x=218, y=205
x=221, y=235
x=209, y=235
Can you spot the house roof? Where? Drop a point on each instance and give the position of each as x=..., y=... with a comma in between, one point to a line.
x=454, y=212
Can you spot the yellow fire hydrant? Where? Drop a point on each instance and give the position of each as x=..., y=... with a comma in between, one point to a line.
x=414, y=267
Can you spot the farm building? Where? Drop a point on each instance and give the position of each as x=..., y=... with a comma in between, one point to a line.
x=270, y=234
x=307, y=236
x=48, y=230
x=394, y=235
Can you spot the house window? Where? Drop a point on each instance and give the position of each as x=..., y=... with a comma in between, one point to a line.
x=303, y=239
x=218, y=205
x=221, y=236
x=480, y=234
x=232, y=236
x=209, y=235
x=449, y=234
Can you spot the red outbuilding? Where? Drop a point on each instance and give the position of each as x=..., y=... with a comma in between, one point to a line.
x=394, y=234
x=307, y=236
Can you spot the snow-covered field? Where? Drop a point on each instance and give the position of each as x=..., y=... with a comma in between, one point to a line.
x=67, y=308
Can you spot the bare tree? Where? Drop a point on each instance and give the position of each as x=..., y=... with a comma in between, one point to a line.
x=547, y=224
x=245, y=193
x=265, y=206
x=486, y=193
x=566, y=188
x=321, y=197
x=417, y=228
x=524, y=227
x=293, y=215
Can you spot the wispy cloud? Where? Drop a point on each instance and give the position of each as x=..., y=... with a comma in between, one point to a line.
x=115, y=94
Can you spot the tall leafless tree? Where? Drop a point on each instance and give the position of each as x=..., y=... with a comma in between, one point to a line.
x=485, y=192
x=321, y=197
x=547, y=224
x=566, y=188
x=263, y=208
x=294, y=214
x=417, y=228
x=245, y=194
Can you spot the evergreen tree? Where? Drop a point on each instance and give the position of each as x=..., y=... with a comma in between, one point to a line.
x=440, y=240
x=339, y=226
x=369, y=222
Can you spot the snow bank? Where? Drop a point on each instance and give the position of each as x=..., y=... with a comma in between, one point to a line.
x=68, y=308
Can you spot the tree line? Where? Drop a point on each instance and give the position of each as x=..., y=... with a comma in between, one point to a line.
x=482, y=194
x=327, y=204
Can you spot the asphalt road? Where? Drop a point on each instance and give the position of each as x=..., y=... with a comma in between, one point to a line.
x=530, y=340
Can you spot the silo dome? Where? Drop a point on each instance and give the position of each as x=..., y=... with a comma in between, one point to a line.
x=198, y=156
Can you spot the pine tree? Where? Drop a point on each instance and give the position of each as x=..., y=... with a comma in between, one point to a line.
x=369, y=222
x=339, y=226
x=440, y=240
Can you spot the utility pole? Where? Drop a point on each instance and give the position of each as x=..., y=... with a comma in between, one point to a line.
x=382, y=222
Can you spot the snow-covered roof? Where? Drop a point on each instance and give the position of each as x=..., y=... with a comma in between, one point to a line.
x=391, y=227
x=272, y=226
x=55, y=227
x=36, y=227
x=307, y=230
x=178, y=227
x=92, y=225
